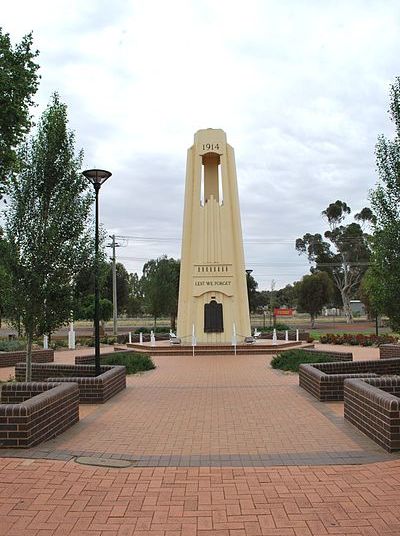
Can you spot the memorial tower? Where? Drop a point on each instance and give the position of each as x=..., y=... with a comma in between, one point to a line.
x=212, y=289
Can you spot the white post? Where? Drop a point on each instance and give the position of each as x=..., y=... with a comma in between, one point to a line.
x=140, y=337
x=45, y=342
x=286, y=336
x=274, y=337
x=234, y=340
x=193, y=340
x=152, y=338
x=71, y=336
x=130, y=337
x=297, y=335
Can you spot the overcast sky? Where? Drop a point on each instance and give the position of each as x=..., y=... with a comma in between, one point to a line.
x=301, y=87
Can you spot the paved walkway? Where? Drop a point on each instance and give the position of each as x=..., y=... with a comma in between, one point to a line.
x=218, y=447
x=214, y=411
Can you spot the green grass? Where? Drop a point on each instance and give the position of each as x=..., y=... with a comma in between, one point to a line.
x=291, y=359
x=133, y=362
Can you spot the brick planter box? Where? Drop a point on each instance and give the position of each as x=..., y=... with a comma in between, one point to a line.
x=389, y=351
x=92, y=389
x=9, y=359
x=373, y=406
x=325, y=381
x=31, y=413
x=335, y=356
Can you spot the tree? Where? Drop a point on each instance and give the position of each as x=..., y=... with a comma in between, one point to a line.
x=5, y=280
x=135, y=299
x=46, y=226
x=160, y=284
x=122, y=286
x=252, y=286
x=87, y=309
x=286, y=296
x=19, y=81
x=383, y=280
x=314, y=291
x=345, y=253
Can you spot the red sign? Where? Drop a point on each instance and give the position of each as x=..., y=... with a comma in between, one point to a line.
x=283, y=312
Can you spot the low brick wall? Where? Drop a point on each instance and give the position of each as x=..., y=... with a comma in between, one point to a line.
x=373, y=406
x=325, y=381
x=335, y=356
x=9, y=359
x=31, y=413
x=92, y=389
x=389, y=351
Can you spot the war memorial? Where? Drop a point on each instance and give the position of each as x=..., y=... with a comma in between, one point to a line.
x=213, y=441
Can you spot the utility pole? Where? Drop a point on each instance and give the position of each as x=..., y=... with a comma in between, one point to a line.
x=114, y=245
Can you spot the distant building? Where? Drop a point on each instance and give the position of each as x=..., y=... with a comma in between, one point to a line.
x=357, y=308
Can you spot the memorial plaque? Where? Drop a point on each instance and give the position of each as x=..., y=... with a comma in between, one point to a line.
x=213, y=317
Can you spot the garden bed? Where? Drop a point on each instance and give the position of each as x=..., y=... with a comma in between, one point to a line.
x=133, y=361
x=291, y=359
x=356, y=339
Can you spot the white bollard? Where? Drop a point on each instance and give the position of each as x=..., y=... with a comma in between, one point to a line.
x=234, y=338
x=130, y=337
x=286, y=336
x=45, y=342
x=274, y=337
x=297, y=335
x=140, y=338
x=71, y=337
x=194, y=342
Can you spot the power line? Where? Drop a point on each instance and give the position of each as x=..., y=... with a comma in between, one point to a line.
x=260, y=241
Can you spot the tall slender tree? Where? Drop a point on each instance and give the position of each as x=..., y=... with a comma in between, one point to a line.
x=46, y=226
x=382, y=282
x=19, y=81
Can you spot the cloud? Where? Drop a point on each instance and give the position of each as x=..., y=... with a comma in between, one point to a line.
x=301, y=88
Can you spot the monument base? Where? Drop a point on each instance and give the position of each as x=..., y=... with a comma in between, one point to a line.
x=164, y=348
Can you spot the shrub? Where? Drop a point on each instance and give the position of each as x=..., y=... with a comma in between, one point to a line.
x=278, y=327
x=158, y=329
x=133, y=362
x=291, y=359
x=356, y=339
x=12, y=346
x=58, y=343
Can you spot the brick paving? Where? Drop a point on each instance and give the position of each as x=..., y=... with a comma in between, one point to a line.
x=218, y=447
x=39, y=498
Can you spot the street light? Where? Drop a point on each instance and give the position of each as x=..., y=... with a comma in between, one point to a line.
x=97, y=177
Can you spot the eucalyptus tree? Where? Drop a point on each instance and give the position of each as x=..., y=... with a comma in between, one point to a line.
x=46, y=226
x=345, y=252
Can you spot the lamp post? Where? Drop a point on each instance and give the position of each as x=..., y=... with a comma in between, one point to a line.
x=97, y=177
x=248, y=273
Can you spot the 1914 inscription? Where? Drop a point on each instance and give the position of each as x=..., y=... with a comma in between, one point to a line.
x=210, y=147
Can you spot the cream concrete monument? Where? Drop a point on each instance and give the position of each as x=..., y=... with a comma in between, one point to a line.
x=213, y=303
